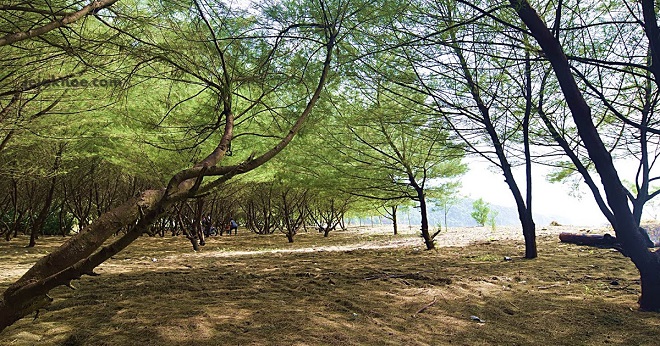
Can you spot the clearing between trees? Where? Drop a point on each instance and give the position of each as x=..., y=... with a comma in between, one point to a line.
x=356, y=287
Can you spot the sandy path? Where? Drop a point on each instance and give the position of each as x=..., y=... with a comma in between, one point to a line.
x=457, y=236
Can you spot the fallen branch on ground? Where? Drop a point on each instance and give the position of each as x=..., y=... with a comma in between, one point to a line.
x=546, y=287
x=435, y=299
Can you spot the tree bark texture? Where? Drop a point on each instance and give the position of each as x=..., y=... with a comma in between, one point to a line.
x=625, y=226
x=79, y=256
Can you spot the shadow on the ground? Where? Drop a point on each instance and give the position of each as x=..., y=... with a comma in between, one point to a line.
x=570, y=296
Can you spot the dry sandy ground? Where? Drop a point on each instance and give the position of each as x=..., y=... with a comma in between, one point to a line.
x=356, y=287
x=366, y=237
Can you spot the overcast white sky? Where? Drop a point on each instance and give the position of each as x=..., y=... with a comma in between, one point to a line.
x=548, y=198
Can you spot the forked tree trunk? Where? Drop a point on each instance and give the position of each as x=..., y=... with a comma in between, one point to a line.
x=524, y=212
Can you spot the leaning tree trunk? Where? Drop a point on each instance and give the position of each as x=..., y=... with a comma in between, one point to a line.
x=74, y=258
x=625, y=227
x=79, y=256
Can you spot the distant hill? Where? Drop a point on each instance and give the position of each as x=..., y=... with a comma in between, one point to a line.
x=459, y=216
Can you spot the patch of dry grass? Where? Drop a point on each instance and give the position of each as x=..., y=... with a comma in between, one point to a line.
x=256, y=290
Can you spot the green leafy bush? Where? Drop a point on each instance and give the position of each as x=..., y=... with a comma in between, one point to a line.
x=480, y=211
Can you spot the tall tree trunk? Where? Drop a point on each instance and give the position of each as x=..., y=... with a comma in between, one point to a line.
x=445, y=211
x=394, y=221
x=43, y=214
x=16, y=215
x=428, y=240
x=625, y=226
x=65, y=226
x=45, y=210
x=524, y=212
x=529, y=233
x=197, y=222
x=18, y=224
x=527, y=221
x=409, y=222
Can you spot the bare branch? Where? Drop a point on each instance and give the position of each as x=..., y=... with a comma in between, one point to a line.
x=93, y=7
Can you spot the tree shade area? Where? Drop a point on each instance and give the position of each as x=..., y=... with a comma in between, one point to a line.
x=126, y=120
